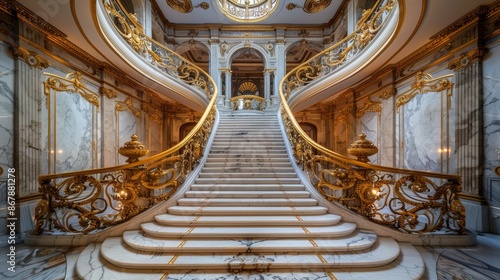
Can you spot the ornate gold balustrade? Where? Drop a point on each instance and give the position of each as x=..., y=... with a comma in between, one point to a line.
x=247, y=102
x=92, y=200
x=367, y=27
x=411, y=201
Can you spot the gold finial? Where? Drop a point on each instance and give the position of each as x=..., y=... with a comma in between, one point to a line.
x=362, y=148
x=133, y=149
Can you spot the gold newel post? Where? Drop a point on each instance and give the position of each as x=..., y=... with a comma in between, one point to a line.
x=362, y=148
x=131, y=194
x=133, y=149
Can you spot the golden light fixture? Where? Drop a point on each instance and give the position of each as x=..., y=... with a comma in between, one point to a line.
x=247, y=10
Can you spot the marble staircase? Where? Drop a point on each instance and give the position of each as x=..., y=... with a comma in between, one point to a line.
x=247, y=215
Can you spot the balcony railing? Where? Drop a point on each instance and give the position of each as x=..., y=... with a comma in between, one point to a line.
x=411, y=201
x=247, y=102
x=93, y=200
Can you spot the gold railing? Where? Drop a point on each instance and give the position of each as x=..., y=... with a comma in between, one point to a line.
x=92, y=200
x=367, y=27
x=411, y=201
x=247, y=102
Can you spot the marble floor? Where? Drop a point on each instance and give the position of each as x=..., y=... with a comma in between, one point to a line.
x=480, y=262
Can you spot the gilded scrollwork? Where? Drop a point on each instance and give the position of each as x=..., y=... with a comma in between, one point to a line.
x=94, y=200
x=410, y=201
x=71, y=83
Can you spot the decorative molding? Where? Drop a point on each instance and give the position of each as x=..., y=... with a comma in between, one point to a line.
x=388, y=93
x=121, y=106
x=369, y=106
x=108, y=92
x=183, y=6
x=30, y=57
x=71, y=83
x=156, y=116
x=425, y=83
x=16, y=9
x=466, y=59
x=473, y=16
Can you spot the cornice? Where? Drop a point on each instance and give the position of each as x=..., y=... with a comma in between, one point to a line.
x=15, y=9
x=473, y=16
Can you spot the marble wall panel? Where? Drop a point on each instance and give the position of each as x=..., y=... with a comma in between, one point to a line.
x=387, y=148
x=74, y=126
x=425, y=130
x=491, y=107
x=127, y=126
x=155, y=138
x=369, y=125
x=341, y=137
x=6, y=116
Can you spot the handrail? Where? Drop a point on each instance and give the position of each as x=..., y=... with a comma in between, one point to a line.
x=91, y=200
x=407, y=200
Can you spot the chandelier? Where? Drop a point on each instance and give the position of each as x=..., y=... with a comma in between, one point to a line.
x=247, y=10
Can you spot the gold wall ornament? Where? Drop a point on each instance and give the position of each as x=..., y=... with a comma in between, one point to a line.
x=30, y=57
x=108, y=92
x=247, y=102
x=424, y=83
x=127, y=104
x=369, y=106
x=466, y=59
x=388, y=93
x=133, y=149
x=71, y=83
x=497, y=170
x=362, y=148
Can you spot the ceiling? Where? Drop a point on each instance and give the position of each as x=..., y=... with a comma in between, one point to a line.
x=281, y=15
x=74, y=18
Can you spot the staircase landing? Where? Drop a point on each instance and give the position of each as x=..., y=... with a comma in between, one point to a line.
x=248, y=216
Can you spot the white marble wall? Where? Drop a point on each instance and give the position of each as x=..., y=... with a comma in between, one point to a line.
x=491, y=84
x=155, y=138
x=387, y=146
x=127, y=125
x=76, y=129
x=369, y=125
x=425, y=132
x=6, y=116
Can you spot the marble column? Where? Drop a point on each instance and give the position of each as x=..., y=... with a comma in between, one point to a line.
x=27, y=118
x=267, y=85
x=228, y=84
x=280, y=54
x=469, y=136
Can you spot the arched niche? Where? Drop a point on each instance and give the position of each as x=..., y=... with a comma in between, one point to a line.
x=247, y=68
x=196, y=53
x=299, y=52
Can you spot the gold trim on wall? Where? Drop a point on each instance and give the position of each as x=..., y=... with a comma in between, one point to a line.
x=71, y=83
x=108, y=92
x=30, y=57
x=369, y=106
x=466, y=59
x=424, y=83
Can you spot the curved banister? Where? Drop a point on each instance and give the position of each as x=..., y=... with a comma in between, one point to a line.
x=91, y=200
x=408, y=200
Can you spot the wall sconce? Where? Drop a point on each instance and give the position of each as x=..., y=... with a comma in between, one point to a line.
x=497, y=170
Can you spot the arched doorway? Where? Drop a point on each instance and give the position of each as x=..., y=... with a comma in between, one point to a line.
x=247, y=73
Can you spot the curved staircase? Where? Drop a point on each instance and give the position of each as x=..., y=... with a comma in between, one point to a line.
x=248, y=216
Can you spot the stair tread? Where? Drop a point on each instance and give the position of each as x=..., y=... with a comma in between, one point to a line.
x=242, y=201
x=116, y=251
x=243, y=193
x=243, y=220
x=255, y=210
x=356, y=241
x=158, y=230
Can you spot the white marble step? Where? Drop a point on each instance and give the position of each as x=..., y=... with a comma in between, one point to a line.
x=408, y=266
x=247, y=149
x=116, y=251
x=222, y=221
x=227, y=143
x=253, y=139
x=248, y=160
x=245, y=169
x=218, y=163
x=269, y=232
x=356, y=241
x=247, y=181
x=246, y=194
x=267, y=174
x=246, y=210
x=246, y=187
x=261, y=155
x=186, y=201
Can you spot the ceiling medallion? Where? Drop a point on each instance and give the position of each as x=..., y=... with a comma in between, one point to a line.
x=311, y=6
x=247, y=10
x=185, y=6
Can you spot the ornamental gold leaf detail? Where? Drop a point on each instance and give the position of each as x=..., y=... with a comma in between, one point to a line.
x=424, y=83
x=30, y=57
x=71, y=83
